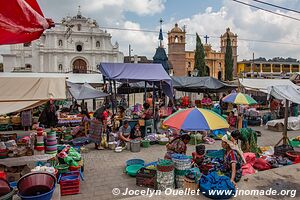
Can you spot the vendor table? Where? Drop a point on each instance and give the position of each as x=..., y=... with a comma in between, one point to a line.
x=69, y=121
x=25, y=160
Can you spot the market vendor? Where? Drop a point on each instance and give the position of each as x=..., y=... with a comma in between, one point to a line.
x=95, y=132
x=124, y=132
x=48, y=117
x=177, y=145
x=206, y=102
x=233, y=159
x=120, y=116
x=83, y=129
x=232, y=120
x=248, y=139
x=147, y=114
x=136, y=133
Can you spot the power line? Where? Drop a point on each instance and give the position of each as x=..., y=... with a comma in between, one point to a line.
x=270, y=4
x=194, y=35
x=270, y=11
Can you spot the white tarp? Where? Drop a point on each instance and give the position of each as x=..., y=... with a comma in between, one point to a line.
x=286, y=92
x=263, y=84
x=293, y=123
x=283, y=92
x=17, y=94
x=10, y=107
x=74, y=78
x=31, y=89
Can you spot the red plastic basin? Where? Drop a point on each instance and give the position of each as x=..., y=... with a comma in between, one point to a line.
x=37, y=183
x=4, y=187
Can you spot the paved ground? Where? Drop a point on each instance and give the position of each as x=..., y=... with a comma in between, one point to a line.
x=104, y=171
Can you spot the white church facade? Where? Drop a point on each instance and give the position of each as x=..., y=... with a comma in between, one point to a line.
x=76, y=45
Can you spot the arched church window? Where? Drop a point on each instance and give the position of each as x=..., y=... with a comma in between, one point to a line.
x=181, y=38
x=79, y=27
x=60, y=67
x=176, y=39
x=98, y=44
x=60, y=43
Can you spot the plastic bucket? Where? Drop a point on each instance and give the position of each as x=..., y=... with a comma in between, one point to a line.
x=145, y=143
x=135, y=146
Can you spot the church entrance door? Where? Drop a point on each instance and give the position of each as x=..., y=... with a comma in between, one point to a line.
x=79, y=66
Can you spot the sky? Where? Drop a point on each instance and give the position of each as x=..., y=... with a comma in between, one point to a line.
x=206, y=17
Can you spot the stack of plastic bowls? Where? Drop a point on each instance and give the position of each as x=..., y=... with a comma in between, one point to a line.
x=40, y=146
x=51, y=144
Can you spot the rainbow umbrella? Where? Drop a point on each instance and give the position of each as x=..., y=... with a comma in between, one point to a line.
x=195, y=119
x=239, y=98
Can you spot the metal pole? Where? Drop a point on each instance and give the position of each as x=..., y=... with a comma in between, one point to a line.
x=145, y=92
x=286, y=116
x=115, y=90
x=111, y=97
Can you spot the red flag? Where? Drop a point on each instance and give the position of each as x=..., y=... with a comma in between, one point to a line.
x=21, y=21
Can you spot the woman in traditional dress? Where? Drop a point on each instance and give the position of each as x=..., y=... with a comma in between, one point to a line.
x=177, y=145
x=26, y=117
x=233, y=159
x=95, y=132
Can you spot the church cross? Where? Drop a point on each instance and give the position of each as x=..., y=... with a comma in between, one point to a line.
x=206, y=38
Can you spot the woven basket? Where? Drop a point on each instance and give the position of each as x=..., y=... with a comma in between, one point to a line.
x=4, y=120
x=190, y=184
x=16, y=120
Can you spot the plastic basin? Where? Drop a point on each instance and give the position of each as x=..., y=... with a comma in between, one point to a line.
x=8, y=196
x=35, y=186
x=132, y=170
x=44, y=196
x=4, y=187
x=135, y=162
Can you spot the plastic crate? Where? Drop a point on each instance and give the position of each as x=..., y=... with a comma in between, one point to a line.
x=70, y=183
x=146, y=178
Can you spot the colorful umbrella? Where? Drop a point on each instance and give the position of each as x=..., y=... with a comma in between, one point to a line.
x=239, y=98
x=196, y=119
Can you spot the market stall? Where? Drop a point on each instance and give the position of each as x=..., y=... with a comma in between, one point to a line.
x=133, y=72
x=200, y=84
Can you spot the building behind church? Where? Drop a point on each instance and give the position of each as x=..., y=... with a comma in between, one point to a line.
x=183, y=61
x=77, y=45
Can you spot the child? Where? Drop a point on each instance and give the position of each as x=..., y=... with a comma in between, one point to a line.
x=136, y=132
x=198, y=156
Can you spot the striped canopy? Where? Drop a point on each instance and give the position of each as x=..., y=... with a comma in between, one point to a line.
x=239, y=98
x=195, y=119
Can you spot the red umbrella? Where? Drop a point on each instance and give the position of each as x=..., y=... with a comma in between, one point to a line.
x=21, y=21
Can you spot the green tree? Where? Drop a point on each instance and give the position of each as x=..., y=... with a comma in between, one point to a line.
x=228, y=61
x=200, y=57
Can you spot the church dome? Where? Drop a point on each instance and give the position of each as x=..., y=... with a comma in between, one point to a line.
x=176, y=29
x=231, y=34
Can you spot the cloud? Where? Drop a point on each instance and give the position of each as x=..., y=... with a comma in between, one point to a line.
x=140, y=7
x=142, y=43
x=247, y=23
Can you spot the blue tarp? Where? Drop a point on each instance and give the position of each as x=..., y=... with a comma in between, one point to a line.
x=135, y=72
